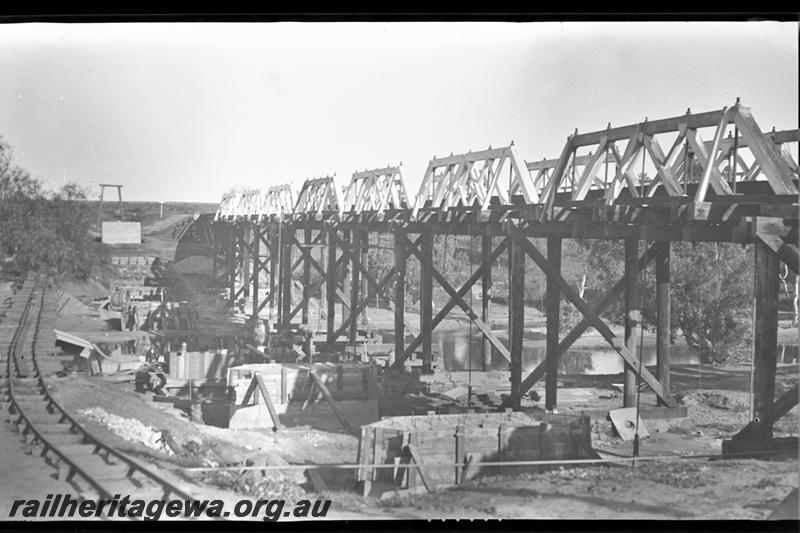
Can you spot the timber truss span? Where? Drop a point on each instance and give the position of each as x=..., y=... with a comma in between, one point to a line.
x=701, y=177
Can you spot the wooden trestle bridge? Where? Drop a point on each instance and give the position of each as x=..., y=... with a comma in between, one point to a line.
x=657, y=181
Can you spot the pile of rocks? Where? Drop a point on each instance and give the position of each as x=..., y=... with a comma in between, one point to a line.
x=129, y=429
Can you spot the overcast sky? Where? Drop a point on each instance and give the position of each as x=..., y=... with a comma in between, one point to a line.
x=183, y=112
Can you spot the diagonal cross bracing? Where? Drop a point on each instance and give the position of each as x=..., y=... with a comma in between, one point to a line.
x=248, y=203
x=585, y=323
x=375, y=190
x=474, y=178
x=317, y=196
x=457, y=299
x=594, y=319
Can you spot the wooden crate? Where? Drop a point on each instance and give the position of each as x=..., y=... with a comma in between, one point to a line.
x=444, y=442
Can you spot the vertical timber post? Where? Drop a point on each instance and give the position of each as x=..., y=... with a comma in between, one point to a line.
x=306, y=273
x=426, y=300
x=331, y=280
x=232, y=264
x=256, y=266
x=286, y=274
x=632, y=318
x=365, y=265
x=399, y=292
x=486, y=292
x=356, y=241
x=517, y=321
x=215, y=252
x=765, y=337
x=240, y=254
x=246, y=260
x=509, y=262
x=553, y=315
x=273, y=271
x=663, y=318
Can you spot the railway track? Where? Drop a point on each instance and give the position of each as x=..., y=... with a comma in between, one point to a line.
x=93, y=468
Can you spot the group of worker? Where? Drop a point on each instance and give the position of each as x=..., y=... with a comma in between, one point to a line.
x=174, y=316
x=136, y=315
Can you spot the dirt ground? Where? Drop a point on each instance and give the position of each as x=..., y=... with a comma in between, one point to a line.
x=698, y=488
x=740, y=489
x=717, y=399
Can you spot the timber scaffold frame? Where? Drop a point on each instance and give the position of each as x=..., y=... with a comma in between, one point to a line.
x=656, y=181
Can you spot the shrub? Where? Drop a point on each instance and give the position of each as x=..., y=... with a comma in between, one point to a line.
x=41, y=230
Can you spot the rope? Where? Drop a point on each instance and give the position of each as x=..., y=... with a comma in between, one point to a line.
x=355, y=466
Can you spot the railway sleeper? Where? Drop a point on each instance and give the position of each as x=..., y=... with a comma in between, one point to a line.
x=28, y=391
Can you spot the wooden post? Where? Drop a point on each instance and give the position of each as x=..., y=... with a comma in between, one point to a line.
x=364, y=283
x=284, y=386
x=276, y=423
x=355, y=284
x=399, y=292
x=286, y=301
x=273, y=273
x=306, y=275
x=517, y=312
x=426, y=301
x=509, y=261
x=553, y=314
x=215, y=257
x=632, y=318
x=256, y=267
x=329, y=398
x=486, y=291
x=765, y=337
x=411, y=450
x=330, y=285
x=502, y=445
x=245, y=260
x=662, y=318
x=232, y=265
x=460, y=454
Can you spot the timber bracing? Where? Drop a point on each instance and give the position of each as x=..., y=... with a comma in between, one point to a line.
x=699, y=177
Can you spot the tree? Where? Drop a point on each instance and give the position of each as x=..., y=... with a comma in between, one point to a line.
x=41, y=230
x=712, y=289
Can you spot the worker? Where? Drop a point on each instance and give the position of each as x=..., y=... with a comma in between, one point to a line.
x=125, y=310
x=195, y=316
x=159, y=269
x=169, y=318
x=137, y=317
x=260, y=333
x=268, y=329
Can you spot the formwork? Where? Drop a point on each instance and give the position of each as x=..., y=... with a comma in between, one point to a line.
x=447, y=448
x=289, y=386
x=208, y=365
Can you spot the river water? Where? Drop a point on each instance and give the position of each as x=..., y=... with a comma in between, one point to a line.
x=461, y=354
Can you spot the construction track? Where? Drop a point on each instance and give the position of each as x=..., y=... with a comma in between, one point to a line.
x=93, y=468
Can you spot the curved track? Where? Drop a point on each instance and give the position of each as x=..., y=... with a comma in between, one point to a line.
x=93, y=468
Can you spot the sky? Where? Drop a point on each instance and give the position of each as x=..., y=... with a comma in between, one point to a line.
x=185, y=111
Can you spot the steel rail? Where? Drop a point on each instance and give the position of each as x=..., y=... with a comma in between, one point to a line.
x=21, y=418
